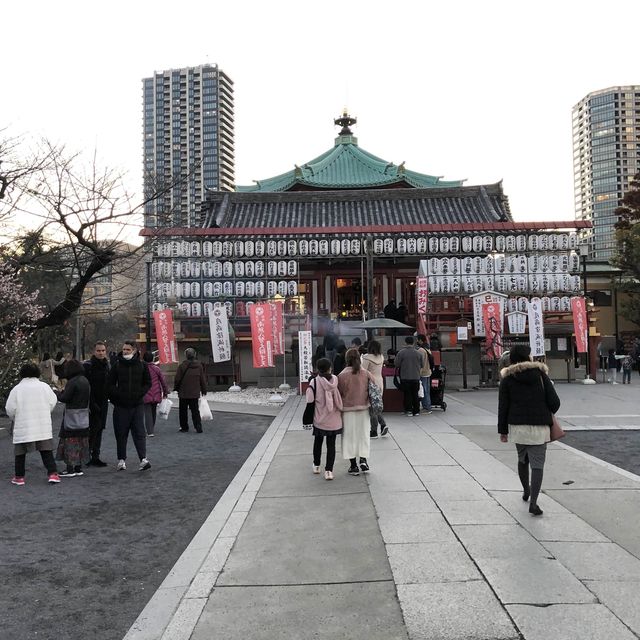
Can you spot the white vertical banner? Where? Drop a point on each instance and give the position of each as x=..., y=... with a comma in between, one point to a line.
x=536, y=327
x=305, y=351
x=219, y=327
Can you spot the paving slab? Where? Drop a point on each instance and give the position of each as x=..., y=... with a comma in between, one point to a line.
x=431, y=562
x=390, y=471
x=569, y=622
x=455, y=442
x=499, y=541
x=420, y=449
x=419, y=527
x=559, y=527
x=623, y=598
x=392, y=503
x=512, y=501
x=534, y=580
x=368, y=611
x=454, y=611
x=455, y=484
x=596, y=560
x=474, y=512
x=289, y=541
x=297, y=442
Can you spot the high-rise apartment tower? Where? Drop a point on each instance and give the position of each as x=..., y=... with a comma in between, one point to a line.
x=188, y=140
x=606, y=156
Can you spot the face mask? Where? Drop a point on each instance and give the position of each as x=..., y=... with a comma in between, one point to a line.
x=128, y=356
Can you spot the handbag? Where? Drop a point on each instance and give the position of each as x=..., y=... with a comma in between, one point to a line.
x=204, y=409
x=164, y=407
x=556, y=431
x=376, y=405
x=310, y=409
x=75, y=419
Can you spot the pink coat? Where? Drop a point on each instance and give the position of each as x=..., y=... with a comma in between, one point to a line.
x=159, y=387
x=327, y=414
x=354, y=389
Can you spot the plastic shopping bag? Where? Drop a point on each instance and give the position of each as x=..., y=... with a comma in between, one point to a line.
x=164, y=407
x=205, y=411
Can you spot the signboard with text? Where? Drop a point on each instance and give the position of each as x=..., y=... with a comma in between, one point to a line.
x=167, y=347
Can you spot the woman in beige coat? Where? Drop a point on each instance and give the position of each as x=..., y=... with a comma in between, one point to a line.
x=372, y=362
x=353, y=384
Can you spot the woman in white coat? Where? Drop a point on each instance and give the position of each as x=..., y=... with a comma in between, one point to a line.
x=29, y=405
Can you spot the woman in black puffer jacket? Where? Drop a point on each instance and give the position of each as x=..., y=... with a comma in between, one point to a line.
x=73, y=447
x=527, y=401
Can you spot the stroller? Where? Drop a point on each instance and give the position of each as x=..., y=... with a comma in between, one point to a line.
x=438, y=380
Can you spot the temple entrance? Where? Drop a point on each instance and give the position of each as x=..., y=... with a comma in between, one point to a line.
x=349, y=298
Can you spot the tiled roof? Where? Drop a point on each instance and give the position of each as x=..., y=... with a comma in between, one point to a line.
x=347, y=166
x=362, y=208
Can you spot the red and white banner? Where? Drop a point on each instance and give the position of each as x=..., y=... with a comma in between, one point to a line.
x=580, y=327
x=492, y=322
x=484, y=297
x=305, y=352
x=277, y=325
x=261, y=335
x=536, y=327
x=167, y=347
x=422, y=294
x=219, y=327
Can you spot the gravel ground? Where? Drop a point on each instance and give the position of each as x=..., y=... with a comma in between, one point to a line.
x=81, y=559
x=621, y=448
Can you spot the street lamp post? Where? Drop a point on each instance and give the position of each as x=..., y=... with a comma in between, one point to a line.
x=584, y=252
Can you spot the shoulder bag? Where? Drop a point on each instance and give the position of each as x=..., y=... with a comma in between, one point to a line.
x=76, y=419
x=309, y=411
x=555, y=430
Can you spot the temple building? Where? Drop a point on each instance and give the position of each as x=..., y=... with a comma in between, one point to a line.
x=342, y=235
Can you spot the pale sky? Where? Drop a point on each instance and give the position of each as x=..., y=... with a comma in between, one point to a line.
x=467, y=89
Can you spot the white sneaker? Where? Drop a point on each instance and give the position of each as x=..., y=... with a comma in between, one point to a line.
x=121, y=465
x=316, y=469
x=144, y=464
x=328, y=475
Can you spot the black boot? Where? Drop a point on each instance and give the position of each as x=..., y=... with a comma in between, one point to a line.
x=536, y=485
x=523, y=473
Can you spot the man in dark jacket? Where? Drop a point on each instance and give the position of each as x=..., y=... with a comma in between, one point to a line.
x=129, y=380
x=190, y=382
x=409, y=363
x=96, y=370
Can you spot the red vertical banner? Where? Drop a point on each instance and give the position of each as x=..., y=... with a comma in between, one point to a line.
x=261, y=335
x=422, y=295
x=492, y=321
x=167, y=348
x=579, y=311
x=277, y=326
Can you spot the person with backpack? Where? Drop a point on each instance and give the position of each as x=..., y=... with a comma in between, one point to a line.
x=425, y=372
x=327, y=415
x=372, y=362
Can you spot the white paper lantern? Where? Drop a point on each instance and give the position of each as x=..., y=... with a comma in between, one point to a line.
x=217, y=305
x=355, y=247
x=304, y=247
x=335, y=247
x=216, y=249
x=478, y=265
x=282, y=287
x=292, y=288
x=282, y=248
x=260, y=248
x=196, y=309
x=185, y=272
x=455, y=285
x=564, y=263
x=434, y=266
x=208, y=289
x=186, y=289
x=565, y=282
x=248, y=306
x=444, y=244
x=345, y=247
x=575, y=284
x=402, y=245
x=259, y=289
x=272, y=248
x=249, y=248
x=534, y=283
x=227, y=269
x=227, y=249
x=522, y=282
x=156, y=267
x=292, y=268
x=574, y=262
x=185, y=249
x=323, y=248
x=207, y=269
x=282, y=268
x=512, y=305
x=217, y=269
x=565, y=303
x=238, y=248
x=467, y=265
x=228, y=308
x=259, y=269
x=555, y=303
x=533, y=242
x=249, y=269
x=412, y=246
x=523, y=304
x=378, y=246
x=546, y=303
x=467, y=244
x=272, y=268
x=573, y=241
x=185, y=307
x=476, y=244
x=195, y=289
x=488, y=282
x=292, y=248
x=194, y=249
x=488, y=264
x=195, y=268
x=454, y=266
x=421, y=246
x=208, y=308
x=454, y=244
x=563, y=241
x=487, y=244
x=239, y=289
x=434, y=246
x=388, y=245
x=272, y=288
x=501, y=244
x=239, y=269
x=521, y=243
x=250, y=289
x=512, y=284
x=444, y=266
x=521, y=264
x=554, y=263
x=510, y=244
x=157, y=306
x=227, y=288
x=501, y=284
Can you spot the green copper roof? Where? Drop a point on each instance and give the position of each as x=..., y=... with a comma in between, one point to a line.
x=347, y=166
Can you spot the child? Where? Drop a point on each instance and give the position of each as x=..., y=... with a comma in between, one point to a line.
x=29, y=405
x=327, y=419
x=627, y=365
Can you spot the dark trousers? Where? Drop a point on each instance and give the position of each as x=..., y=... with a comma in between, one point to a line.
x=376, y=419
x=97, y=423
x=47, y=460
x=150, y=416
x=125, y=420
x=183, y=406
x=331, y=451
x=626, y=376
x=411, y=400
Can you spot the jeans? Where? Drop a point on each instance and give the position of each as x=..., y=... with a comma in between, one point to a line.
x=613, y=376
x=47, y=460
x=192, y=404
x=125, y=420
x=411, y=400
x=626, y=376
x=426, y=388
x=331, y=451
x=375, y=420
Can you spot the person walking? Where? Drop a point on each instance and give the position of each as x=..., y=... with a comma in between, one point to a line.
x=372, y=362
x=190, y=382
x=129, y=381
x=627, y=366
x=409, y=363
x=425, y=372
x=327, y=416
x=527, y=401
x=339, y=362
x=613, y=365
x=29, y=405
x=96, y=370
x=154, y=396
x=353, y=384
x=73, y=443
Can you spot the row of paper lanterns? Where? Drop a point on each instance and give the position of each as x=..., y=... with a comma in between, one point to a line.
x=198, y=309
x=549, y=303
x=422, y=245
x=533, y=283
x=216, y=269
x=505, y=264
x=239, y=289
